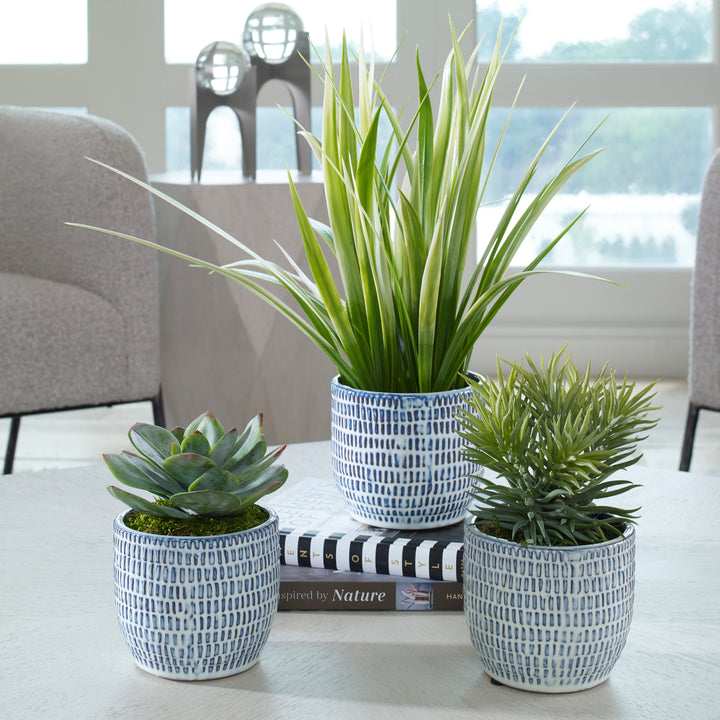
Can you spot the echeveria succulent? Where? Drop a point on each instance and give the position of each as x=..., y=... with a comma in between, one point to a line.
x=200, y=469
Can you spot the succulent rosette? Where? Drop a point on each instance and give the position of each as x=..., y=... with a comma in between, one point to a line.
x=197, y=470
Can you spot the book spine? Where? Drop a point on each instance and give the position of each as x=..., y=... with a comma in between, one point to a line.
x=380, y=595
x=428, y=559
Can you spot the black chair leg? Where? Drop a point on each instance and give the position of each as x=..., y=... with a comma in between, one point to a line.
x=689, y=437
x=12, y=444
x=158, y=409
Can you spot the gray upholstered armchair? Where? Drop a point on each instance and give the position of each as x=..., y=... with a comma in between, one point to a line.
x=78, y=310
x=704, y=369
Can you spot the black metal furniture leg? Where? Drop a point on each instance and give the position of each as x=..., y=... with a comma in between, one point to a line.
x=689, y=437
x=12, y=444
x=158, y=409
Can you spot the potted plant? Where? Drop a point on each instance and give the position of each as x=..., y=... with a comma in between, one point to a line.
x=549, y=565
x=398, y=319
x=196, y=570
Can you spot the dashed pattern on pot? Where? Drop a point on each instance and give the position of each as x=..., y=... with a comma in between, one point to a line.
x=548, y=619
x=396, y=457
x=196, y=608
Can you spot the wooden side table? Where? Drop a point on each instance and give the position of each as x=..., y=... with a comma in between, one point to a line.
x=224, y=349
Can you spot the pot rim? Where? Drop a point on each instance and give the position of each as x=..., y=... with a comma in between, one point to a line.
x=337, y=381
x=627, y=535
x=120, y=521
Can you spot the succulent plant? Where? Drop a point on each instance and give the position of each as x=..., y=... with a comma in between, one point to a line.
x=555, y=436
x=197, y=470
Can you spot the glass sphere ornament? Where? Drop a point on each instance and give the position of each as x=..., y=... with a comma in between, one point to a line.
x=221, y=67
x=271, y=32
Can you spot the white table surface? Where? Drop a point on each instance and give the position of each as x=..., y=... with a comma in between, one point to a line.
x=62, y=655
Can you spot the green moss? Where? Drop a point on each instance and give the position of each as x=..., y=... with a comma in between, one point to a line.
x=198, y=525
x=491, y=527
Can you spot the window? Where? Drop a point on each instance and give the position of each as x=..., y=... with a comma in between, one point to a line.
x=642, y=192
x=609, y=31
x=60, y=38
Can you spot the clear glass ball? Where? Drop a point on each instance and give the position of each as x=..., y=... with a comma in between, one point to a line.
x=221, y=67
x=271, y=32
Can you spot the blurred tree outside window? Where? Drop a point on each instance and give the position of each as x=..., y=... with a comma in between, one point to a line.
x=642, y=191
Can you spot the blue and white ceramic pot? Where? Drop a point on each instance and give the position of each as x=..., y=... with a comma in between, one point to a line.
x=396, y=457
x=548, y=619
x=196, y=608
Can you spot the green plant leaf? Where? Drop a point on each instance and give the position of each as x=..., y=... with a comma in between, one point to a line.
x=245, y=473
x=186, y=468
x=154, y=442
x=223, y=451
x=145, y=506
x=208, y=502
x=324, y=232
x=254, y=455
x=208, y=425
x=216, y=479
x=260, y=484
x=365, y=175
x=195, y=443
x=141, y=474
x=248, y=440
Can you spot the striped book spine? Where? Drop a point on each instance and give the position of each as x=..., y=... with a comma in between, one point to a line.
x=393, y=554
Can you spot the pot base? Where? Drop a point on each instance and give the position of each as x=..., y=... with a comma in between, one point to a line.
x=544, y=689
x=186, y=674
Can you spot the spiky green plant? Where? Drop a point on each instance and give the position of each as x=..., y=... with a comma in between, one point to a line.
x=399, y=316
x=197, y=470
x=555, y=436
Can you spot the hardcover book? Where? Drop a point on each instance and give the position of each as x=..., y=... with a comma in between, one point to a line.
x=319, y=589
x=316, y=531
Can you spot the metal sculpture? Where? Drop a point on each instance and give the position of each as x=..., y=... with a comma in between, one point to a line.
x=275, y=48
